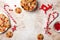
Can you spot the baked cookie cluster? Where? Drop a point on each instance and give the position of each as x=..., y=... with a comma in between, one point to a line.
x=29, y=5
x=4, y=23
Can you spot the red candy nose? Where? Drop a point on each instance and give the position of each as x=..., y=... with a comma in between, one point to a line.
x=57, y=26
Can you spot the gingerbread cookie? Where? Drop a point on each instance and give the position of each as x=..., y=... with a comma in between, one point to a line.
x=9, y=34
x=18, y=10
x=40, y=37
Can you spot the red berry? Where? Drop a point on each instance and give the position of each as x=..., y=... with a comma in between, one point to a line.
x=57, y=26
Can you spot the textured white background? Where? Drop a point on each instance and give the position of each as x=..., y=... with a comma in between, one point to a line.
x=30, y=24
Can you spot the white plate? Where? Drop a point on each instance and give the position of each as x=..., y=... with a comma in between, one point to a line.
x=3, y=12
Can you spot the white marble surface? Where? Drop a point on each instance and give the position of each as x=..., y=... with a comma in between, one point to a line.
x=30, y=24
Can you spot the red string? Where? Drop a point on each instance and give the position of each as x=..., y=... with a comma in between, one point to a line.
x=48, y=23
x=9, y=13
